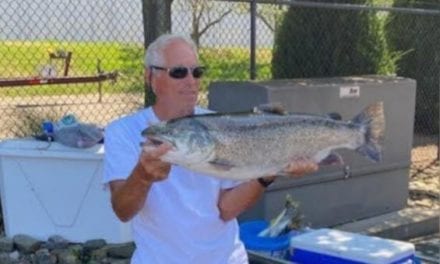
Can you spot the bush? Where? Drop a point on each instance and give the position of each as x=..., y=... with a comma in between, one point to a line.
x=419, y=37
x=325, y=42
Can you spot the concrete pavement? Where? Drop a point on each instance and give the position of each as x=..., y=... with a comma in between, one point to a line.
x=400, y=225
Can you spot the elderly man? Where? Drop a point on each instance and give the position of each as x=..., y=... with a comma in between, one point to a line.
x=177, y=215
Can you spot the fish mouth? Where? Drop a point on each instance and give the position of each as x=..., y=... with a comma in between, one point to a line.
x=157, y=141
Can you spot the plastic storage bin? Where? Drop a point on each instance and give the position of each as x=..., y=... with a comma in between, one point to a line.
x=270, y=246
x=49, y=189
x=329, y=246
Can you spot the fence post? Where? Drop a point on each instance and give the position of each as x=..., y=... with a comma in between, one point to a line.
x=253, y=7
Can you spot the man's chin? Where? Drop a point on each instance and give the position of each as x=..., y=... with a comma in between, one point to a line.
x=189, y=102
x=186, y=109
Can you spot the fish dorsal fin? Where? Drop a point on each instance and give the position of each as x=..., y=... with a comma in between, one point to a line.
x=271, y=108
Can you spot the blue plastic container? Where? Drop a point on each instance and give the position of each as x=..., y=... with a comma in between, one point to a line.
x=47, y=127
x=271, y=246
x=331, y=246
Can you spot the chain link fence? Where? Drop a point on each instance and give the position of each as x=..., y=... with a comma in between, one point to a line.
x=58, y=57
x=86, y=57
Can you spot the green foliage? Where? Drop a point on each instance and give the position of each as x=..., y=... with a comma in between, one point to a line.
x=233, y=64
x=225, y=64
x=419, y=37
x=22, y=59
x=132, y=67
x=326, y=42
x=132, y=60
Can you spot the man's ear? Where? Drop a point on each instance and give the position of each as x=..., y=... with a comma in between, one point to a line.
x=148, y=75
x=149, y=78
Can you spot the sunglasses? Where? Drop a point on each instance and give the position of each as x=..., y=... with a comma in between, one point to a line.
x=180, y=72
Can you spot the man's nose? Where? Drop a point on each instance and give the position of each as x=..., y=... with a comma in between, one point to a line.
x=190, y=78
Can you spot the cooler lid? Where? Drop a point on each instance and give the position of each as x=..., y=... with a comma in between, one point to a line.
x=351, y=246
x=29, y=147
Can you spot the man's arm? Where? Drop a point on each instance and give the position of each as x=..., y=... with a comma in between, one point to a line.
x=128, y=196
x=234, y=201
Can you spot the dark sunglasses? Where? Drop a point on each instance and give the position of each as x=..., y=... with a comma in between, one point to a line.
x=180, y=72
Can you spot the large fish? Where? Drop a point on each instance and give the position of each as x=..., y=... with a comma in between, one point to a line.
x=245, y=146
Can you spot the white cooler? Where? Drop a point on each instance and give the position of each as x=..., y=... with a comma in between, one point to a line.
x=50, y=189
x=329, y=246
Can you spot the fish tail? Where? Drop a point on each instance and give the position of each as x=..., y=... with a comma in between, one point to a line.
x=372, y=123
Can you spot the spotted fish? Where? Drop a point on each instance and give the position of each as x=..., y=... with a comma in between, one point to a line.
x=246, y=146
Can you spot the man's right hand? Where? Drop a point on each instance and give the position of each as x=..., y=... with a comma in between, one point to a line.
x=153, y=168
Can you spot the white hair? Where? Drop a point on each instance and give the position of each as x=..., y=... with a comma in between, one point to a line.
x=154, y=54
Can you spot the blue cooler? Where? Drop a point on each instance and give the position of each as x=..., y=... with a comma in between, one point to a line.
x=337, y=247
x=271, y=246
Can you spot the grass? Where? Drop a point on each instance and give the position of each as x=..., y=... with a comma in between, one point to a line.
x=18, y=57
x=24, y=59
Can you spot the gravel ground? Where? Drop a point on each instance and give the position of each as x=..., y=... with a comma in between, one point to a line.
x=424, y=183
x=424, y=192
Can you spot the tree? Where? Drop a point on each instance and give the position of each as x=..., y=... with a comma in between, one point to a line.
x=419, y=37
x=157, y=20
x=269, y=14
x=312, y=42
x=204, y=15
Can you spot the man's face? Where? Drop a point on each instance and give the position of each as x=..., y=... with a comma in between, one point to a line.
x=177, y=95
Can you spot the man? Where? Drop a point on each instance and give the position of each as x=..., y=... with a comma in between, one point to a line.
x=178, y=216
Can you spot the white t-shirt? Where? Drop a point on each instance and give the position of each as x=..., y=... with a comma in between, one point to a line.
x=180, y=221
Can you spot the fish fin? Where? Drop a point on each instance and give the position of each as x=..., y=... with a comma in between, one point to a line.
x=222, y=164
x=271, y=108
x=332, y=159
x=334, y=116
x=372, y=122
x=372, y=151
